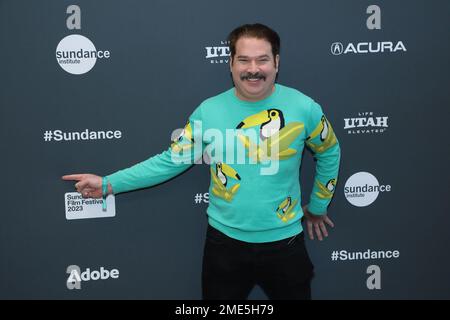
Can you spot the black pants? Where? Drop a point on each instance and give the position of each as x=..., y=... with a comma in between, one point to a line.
x=231, y=268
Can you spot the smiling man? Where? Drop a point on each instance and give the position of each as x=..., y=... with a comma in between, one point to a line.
x=254, y=66
x=255, y=235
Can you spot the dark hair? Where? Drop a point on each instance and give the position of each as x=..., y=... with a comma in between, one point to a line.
x=258, y=31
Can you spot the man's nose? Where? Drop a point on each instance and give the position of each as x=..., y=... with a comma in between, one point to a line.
x=253, y=67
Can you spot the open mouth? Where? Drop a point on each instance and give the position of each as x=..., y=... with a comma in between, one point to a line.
x=254, y=79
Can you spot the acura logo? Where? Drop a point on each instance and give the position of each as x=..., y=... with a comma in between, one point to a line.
x=367, y=47
x=337, y=48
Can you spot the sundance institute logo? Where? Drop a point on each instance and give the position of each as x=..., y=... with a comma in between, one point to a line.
x=363, y=188
x=76, y=54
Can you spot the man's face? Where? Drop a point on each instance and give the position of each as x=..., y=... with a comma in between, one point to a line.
x=254, y=69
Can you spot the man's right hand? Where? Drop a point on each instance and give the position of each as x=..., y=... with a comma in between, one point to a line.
x=89, y=185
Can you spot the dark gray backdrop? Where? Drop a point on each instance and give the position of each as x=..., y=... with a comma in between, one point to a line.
x=156, y=75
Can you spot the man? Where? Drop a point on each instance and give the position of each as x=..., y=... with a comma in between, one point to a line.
x=254, y=231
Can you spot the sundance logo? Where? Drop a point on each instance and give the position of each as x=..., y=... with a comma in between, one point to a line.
x=76, y=54
x=362, y=189
x=337, y=48
x=75, y=276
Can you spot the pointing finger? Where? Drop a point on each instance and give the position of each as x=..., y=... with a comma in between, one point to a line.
x=73, y=177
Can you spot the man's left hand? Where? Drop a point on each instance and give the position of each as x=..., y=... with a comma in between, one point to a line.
x=315, y=223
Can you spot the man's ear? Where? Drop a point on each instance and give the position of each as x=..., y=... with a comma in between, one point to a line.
x=277, y=60
x=231, y=62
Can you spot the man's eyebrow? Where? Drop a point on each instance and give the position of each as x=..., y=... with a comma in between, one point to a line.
x=259, y=57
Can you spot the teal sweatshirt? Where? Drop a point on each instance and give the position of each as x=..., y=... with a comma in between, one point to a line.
x=254, y=151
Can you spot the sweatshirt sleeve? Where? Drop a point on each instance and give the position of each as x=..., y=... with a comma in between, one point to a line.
x=324, y=145
x=183, y=152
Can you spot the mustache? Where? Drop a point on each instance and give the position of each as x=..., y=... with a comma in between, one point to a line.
x=249, y=75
